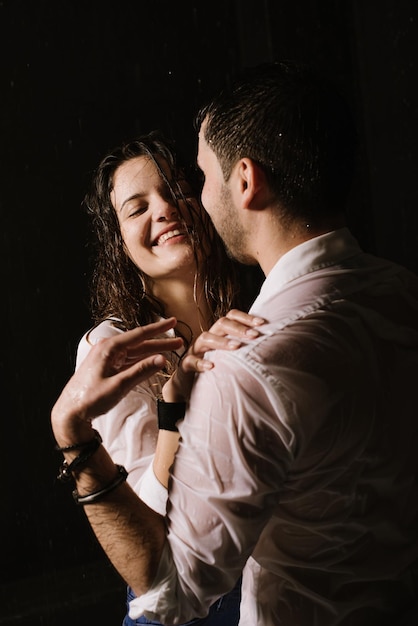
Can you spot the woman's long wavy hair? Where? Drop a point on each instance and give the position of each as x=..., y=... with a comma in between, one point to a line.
x=121, y=289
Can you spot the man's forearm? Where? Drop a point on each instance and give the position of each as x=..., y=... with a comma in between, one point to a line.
x=131, y=534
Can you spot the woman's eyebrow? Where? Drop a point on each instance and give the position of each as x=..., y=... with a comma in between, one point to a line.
x=134, y=196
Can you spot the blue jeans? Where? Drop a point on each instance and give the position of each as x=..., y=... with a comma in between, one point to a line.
x=224, y=612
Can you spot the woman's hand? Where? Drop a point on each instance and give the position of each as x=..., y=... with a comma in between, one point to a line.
x=111, y=369
x=227, y=333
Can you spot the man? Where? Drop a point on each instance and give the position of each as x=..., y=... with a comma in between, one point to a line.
x=297, y=464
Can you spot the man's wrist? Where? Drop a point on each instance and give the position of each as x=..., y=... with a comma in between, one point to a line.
x=70, y=429
x=84, y=449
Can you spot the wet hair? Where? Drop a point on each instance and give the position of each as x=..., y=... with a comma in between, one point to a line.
x=298, y=128
x=118, y=287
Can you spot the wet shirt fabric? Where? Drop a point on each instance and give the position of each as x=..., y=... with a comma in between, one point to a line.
x=298, y=459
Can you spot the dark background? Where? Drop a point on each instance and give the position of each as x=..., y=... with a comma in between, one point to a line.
x=78, y=77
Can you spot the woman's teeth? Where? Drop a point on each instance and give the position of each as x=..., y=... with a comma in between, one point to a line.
x=169, y=235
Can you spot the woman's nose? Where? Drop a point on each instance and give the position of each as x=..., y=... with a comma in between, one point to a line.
x=165, y=212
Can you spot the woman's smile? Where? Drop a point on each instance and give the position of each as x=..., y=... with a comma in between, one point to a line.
x=155, y=236
x=176, y=234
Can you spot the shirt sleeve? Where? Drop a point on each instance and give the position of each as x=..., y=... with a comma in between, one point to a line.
x=160, y=598
x=230, y=462
x=152, y=492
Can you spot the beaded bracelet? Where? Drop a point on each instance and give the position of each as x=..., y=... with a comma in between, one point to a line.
x=169, y=413
x=90, y=498
x=89, y=448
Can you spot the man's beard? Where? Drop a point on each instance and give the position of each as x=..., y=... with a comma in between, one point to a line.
x=232, y=233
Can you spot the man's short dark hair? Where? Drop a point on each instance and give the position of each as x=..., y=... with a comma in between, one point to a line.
x=295, y=124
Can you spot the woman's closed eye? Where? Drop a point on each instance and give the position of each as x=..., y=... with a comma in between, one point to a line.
x=139, y=210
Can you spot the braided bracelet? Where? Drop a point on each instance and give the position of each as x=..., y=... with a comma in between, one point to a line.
x=169, y=413
x=90, y=498
x=79, y=446
x=89, y=448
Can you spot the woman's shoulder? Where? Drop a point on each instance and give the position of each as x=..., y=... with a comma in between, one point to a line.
x=102, y=330
x=109, y=327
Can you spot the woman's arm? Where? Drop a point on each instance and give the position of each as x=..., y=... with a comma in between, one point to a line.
x=227, y=333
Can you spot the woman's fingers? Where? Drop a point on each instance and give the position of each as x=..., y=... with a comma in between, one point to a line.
x=209, y=341
x=192, y=363
x=237, y=323
x=245, y=318
x=228, y=333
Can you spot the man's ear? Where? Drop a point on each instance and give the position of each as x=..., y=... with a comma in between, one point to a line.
x=251, y=184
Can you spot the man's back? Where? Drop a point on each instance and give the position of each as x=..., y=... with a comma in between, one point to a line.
x=305, y=460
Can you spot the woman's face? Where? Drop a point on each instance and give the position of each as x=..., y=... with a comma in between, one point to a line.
x=152, y=229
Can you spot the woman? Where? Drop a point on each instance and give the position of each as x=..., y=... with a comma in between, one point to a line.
x=157, y=255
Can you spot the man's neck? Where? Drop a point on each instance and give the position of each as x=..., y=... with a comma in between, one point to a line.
x=275, y=241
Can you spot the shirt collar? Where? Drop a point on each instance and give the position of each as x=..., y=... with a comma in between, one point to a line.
x=311, y=255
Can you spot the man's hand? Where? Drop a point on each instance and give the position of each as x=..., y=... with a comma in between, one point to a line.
x=227, y=333
x=111, y=369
